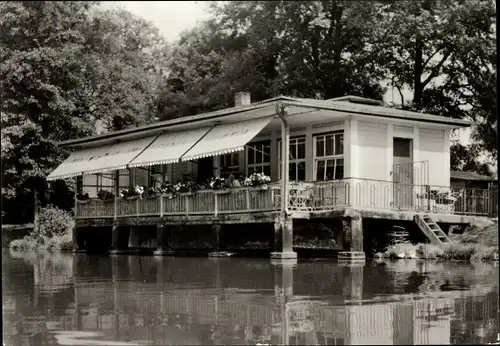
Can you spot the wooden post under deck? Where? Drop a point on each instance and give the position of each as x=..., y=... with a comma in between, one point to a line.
x=283, y=248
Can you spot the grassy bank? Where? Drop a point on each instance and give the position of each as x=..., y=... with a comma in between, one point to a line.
x=478, y=242
x=53, y=231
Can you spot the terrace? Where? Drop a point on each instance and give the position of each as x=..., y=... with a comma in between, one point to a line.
x=306, y=199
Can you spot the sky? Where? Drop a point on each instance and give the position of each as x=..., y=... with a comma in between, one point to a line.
x=173, y=17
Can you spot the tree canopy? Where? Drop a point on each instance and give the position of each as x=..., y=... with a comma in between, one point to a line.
x=64, y=66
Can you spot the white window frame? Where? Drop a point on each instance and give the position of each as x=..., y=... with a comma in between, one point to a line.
x=325, y=157
x=258, y=167
x=293, y=160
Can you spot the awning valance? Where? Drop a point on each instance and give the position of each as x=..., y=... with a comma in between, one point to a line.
x=227, y=138
x=77, y=162
x=100, y=159
x=169, y=147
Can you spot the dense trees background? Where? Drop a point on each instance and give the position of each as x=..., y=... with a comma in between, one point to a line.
x=65, y=65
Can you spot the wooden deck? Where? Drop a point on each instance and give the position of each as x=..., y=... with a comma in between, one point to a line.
x=371, y=198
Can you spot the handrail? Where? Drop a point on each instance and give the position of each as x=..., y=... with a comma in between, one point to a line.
x=305, y=196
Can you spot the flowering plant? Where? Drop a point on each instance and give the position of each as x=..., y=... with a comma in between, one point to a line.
x=105, y=195
x=82, y=196
x=218, y=183
x=136, y=191
x=256, y=179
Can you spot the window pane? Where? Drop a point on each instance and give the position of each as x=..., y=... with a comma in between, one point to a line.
x=320, y=147
x=258, y=153
x=90, y=179
x=339, y=171
x=339, y=144
x=402, y=147
x=267, y=152
x=251, y=155
x=301, y=171
x=293, y=149
x=292, y=171
x=236, y=160
x=329, y=145
x=301, y=152
x=123, y=180
x=279, y=150
x=320, y=170
x=267, y=170
x=330, y=168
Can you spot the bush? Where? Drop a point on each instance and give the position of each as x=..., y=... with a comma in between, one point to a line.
x=484, y=232
x=53, y=231
x=465, y=252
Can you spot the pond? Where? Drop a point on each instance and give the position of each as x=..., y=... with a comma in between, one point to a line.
x=66, y=299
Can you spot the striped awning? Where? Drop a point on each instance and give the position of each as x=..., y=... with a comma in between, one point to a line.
x=169, y=147
x=227, y=138
x=100, y=159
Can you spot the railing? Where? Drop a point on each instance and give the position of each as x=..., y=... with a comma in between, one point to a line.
x=305, y=196
x=386, y=195
x=203, y=202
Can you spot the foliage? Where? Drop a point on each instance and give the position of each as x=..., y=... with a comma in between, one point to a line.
x=257, y=179
x=454, y=251
x=218, y=183
x=82, y=196
x=482, y=232
x=66, y=65
x=105, y=195
x=53, y=231
x=53, y=221
x=300, y=48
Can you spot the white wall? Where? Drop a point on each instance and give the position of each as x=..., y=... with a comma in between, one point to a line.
x=434, y=146
x=372, y=151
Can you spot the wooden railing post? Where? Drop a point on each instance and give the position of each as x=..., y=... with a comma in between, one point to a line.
x=464, y=199
x=247, y=197
x=186, y=201
x=137, y=206
x=161, y=205
x=117, y=185
x=216, y=203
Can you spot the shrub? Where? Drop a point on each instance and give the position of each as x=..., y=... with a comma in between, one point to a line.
x=53, y=221
x=429, y=251
x=53, y=231
x=482, y=232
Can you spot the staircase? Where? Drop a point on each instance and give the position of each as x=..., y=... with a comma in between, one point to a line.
x=431, y=229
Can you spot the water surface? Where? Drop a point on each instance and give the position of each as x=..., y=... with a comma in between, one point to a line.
x=66, y=299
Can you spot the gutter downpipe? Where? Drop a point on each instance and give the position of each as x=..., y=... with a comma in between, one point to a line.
x=285, y=141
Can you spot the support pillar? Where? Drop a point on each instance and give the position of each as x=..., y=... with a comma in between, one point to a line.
x=134, y=240
x=78, y=242
x=352, y=228
x=163, y=240
x=283, y=238
x=115, y=236
x=216, y=229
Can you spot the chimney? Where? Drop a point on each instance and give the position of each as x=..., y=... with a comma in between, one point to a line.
x=242, y=99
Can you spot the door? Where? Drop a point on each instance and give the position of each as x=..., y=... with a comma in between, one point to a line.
x=402, y=173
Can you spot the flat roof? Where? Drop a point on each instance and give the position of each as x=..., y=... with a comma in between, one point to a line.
x=470, y=176
x=339, y=105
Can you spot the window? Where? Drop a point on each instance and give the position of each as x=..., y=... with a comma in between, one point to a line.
x=229, y=164
x=297, y=159
x=329, y=156
x=93, y=183
x=259, y=158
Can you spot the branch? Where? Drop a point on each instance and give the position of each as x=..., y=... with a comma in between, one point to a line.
x=436, y=69
x=432, y=56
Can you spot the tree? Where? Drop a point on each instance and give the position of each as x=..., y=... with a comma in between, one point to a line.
x=301, y=48
x=64, y=65
x=445, y=52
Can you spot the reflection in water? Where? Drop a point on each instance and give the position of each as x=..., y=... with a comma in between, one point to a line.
x=129, y=300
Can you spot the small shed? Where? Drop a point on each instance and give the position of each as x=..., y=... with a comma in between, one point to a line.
x=472, y=180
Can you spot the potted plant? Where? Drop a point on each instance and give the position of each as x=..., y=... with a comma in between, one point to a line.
x=105, y=195
x=82, y=197
x=218, y=184
x=257, y=180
